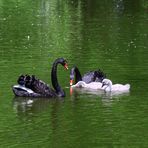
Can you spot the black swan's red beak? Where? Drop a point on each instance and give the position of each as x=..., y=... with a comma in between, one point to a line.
x=71, y=82
x=66, y=66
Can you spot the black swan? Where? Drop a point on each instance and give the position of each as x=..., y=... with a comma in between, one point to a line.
x=91, y=76
x=30, y=86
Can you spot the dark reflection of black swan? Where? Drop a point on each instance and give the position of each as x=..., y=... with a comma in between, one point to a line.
x=28, y=106
x=30, y=86
x=91, y=76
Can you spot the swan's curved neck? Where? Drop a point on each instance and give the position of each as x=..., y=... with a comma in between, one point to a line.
x=77, y=73
x=54, y=79
x=108, y=88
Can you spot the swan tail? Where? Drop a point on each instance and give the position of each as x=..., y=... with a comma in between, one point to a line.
x=25, y=80
x=127, y=86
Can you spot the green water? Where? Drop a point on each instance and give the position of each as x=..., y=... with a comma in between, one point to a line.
x=110, y=35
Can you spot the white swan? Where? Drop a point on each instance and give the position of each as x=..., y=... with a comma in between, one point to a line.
x=109, y=87
x=105, y=89
x=92, y=85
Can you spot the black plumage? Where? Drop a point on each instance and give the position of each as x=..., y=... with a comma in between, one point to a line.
x=31, y=86
x=91, y=76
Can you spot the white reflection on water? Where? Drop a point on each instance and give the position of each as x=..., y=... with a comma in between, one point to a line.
x=30, y=106
x=107, y=98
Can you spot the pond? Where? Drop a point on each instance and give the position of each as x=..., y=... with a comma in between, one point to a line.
x=107, y=35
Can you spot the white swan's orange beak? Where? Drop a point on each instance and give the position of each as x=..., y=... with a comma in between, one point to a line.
x=66, y=66
x=71, y=82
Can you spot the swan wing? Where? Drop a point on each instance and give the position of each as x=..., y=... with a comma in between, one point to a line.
x=94, y=85
x=22, y=91
x=42, y=88
x=88, y=77
x=22, y=88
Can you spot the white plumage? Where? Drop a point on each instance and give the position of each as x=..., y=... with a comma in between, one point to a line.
x=106, y=85
x=109, y=87
x=23, y=88
x=92, y=85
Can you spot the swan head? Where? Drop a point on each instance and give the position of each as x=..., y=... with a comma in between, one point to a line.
x=106, y=83
x=63, y=62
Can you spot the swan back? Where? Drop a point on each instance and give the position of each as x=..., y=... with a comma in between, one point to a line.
x=93, y=76
x=92, y=85
x=120, y=87
x=80, y=84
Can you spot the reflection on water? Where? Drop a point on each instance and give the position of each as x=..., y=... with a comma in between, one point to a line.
x=101, y=93
x=107, y=98
x=30, y=106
